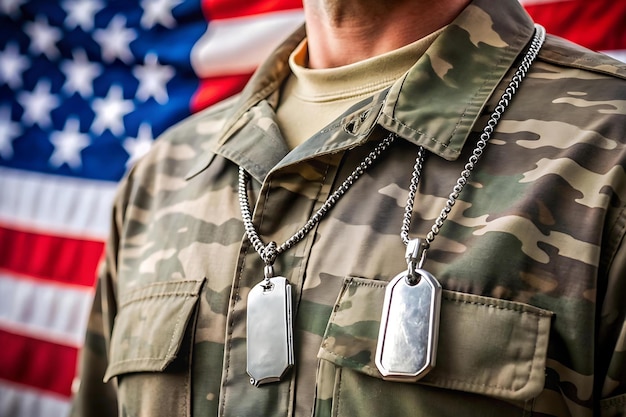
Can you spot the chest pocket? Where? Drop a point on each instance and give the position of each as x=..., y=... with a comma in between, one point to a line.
x=490, y=359
x=150, y=348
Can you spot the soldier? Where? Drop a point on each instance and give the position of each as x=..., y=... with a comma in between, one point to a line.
x=414, y=208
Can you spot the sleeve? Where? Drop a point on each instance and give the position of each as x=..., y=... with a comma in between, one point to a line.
x=611, y=356
x=92, y=397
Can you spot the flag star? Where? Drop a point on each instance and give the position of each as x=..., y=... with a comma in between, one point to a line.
x=81, y=13
x=9, y=130
x=139, y=146
x=43, y=37
x=11, y=7
x=38, y=104
x=153, y=78
x=158, y=11
x=80, y=74
x=110, y=112
x=12, y=65
x=115, y=40
x=68, y=144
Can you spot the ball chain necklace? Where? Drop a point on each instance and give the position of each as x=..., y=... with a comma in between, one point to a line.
x=412, y=298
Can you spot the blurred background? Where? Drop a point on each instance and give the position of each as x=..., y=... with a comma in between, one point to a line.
x=85, y=87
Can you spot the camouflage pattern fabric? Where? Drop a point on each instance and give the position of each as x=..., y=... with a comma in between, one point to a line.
x=532, y=258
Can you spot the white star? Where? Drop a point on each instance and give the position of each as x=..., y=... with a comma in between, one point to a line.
x=81, y=13
x=115, y=40
x=9, y=130
x=43, y=37
x=68, y=144
x=153, y=79
x=80, y=74
x=110, y=112
x=139, y=146
x=11, y=7
x=12, y=65
x=158, y=11
x=38, y=104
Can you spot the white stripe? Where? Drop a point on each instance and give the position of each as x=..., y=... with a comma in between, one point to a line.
x=55, y=204
x=44, y=311
x=22, y=402
x=240, y=45
x=619, y=54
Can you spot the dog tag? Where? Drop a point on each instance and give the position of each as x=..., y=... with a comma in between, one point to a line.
x=269, y=331
x=409, y=328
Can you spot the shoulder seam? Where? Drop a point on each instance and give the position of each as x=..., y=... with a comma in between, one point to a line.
x=583, y=56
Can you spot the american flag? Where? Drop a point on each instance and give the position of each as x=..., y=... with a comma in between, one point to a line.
x=85, y=87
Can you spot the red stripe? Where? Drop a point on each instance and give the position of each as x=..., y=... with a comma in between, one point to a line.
x=37, y=363
x=226, y=9
x=597, y=24
x=215, y=89
x=65, y=260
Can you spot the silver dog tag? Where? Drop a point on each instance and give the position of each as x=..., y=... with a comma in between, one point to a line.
x=269, y=331
x=409, y=328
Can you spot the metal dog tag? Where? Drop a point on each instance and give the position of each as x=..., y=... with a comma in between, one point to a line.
x=409, y=328
x=269, y=331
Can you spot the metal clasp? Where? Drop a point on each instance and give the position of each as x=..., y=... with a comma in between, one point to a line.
x=415, y=256
x=266, y=284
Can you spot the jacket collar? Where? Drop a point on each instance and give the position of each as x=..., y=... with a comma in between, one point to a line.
x=435, y=104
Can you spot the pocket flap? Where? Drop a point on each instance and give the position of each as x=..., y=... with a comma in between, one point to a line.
x=150, y=326
x=486, y=345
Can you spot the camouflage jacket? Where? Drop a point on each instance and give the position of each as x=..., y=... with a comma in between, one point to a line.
x=531, y=258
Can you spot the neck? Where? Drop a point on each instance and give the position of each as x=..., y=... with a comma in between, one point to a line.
x=342, y=32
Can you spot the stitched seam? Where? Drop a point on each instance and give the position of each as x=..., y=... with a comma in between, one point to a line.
x=537, y=314
x=532, y=363
x=129, y=295
x=176, y=328
x=619, y=226
x=419, y=132
x=338, y=396
x=544, y=55
x=351, y=361
x=430, y=138
x=376, y=284
x=263, y=210
x=302, y=267
x=137, y=360
x=185, y=294
x=610, y=403
x=229, y=342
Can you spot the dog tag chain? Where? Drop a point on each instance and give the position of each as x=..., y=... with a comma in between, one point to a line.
x=269, y=337
x=409, y=328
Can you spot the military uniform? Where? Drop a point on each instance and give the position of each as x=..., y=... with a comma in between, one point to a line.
x=531, y=259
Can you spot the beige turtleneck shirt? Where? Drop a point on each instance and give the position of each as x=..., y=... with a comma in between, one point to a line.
x=312, y=98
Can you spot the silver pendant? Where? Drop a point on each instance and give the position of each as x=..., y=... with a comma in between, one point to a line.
x=269, y=331
x=409, y=328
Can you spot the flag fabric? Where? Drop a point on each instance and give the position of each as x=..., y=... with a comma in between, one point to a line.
x=596, y=24
x=85, y=87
